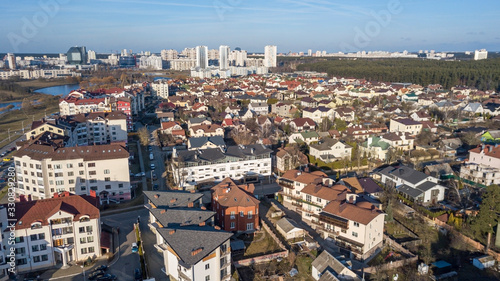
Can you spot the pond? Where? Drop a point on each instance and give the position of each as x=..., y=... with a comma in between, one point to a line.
x=59, y=90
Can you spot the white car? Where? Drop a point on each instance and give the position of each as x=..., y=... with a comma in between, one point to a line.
x=153, y=166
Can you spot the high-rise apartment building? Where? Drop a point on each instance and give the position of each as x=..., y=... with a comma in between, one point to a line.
x=202, y=56
x=224, y=57
x=270, y=56
x=480, y=54
x=11, y=60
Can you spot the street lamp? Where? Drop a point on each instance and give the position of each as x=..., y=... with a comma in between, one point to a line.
x=83, y=270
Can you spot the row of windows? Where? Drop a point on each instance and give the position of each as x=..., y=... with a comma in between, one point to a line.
x=88, y=250
x=36, y=259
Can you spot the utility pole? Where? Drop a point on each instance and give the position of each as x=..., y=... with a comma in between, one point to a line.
x=9, y=134
x=22, y=122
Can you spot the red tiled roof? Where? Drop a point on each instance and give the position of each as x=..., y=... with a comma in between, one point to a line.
x=40, y=210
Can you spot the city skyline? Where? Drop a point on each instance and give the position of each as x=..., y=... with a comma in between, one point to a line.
x=109, y=25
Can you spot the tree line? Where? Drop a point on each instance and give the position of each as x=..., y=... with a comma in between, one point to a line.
x=483, y=74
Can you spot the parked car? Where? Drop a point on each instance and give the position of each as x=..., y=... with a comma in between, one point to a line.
x=96, y=274
x=141, y=174
x=154, y=176
x=107, y=277
x=150, y=148
x=155, y=187
x=153, y=166
x=138, y=274
x=102, y=268
x=135, y=249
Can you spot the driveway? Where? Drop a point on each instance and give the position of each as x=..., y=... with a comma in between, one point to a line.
x=154, y=258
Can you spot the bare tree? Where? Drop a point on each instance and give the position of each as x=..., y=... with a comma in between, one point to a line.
x=143, y=136
x=242, y=136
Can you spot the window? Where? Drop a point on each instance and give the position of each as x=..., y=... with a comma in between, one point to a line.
x=81, y=173
x=69, y=166
x=89, y=228
x=120, y=185
x=92, y=173
x=80, y=165
x=232, y=224
x=71, y=181
x=91, y=249
x=35, y=248
x=45, y=257
x=242, y=214
x=81, y=229
x=91, y=165
x=107, y=179
x=356, y=224
x=84, y=251
x=70, y=174
x=207, y=266
x=21, y=261
x=250, y=213
x=249, y=226
x=232, y=215
x=108, y=186
x=106, y=171
x=355, y=234
x=90, y=239
x=207, y=278
x=36, y=259
x=58, y=174
x=43, y=247
x=93, y=180
x=20, y=239
x=83, y=240
x=49, y=166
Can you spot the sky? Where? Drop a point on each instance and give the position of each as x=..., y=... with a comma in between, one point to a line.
x=105, y=26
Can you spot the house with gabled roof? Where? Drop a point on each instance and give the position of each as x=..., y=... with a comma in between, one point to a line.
x=302, y=124
x=304, y=137
x=236, y=208
x=330, y=150
x=328, y=268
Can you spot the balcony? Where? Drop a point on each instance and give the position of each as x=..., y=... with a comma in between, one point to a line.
x=224, y=252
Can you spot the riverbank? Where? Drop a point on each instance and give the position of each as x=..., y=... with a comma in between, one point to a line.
x=19, y=90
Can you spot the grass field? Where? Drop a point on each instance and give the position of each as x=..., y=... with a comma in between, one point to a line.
x=13, y=120
x=262, y=244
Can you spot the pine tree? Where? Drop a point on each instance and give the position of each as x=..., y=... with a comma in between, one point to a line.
x=487, y=218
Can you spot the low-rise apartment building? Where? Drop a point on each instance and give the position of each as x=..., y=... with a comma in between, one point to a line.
x=405, y=125
x=43, y=168
x=193, y=167
x=51, y=232
x=192, y=248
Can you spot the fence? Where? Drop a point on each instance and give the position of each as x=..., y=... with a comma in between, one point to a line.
x=391, y=265
x=260, y=259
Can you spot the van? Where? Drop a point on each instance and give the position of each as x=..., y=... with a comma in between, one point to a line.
x=151, y=156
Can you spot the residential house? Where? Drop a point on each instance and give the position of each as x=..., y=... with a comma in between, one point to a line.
x=50, y=232
x=198, y=121
x=303, y=137
x=302, y=124
x=206, y=130
x=308, y=102
x=405, y=125
x=317, y=114
x=420, y=116
x=289, y=158
x=356, y=227
x=345, y=113
x=412, y=184
x=169, y=126
x=259, y=108
x=441, y=171
x=283, y=109
x=473, y=108
x=375, y=147
x=236, y=207
x=399, y=140
x=483, y=165
x=327, y=267
x=451, y=147
x=492, y=136
x=329, y=150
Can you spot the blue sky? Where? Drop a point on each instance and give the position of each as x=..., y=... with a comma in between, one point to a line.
x=53, y=26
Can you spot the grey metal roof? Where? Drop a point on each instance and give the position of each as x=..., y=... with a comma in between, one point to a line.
x=426, y=186
x=181, y=216
x=172, y=198
x=405, y=173
x=326, y=262
x=410, y=191
x=287, y=224
x=186, y=239
x=200, y=141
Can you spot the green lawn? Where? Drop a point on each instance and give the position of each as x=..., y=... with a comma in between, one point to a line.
x=266, y=246
x=303, y=265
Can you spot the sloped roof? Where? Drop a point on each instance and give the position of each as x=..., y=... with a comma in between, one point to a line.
x=229, y=194
x=181, y=216
x=40, y=210
x=201, y=141
x=287, y=224
x=184, y=240
x=362, y=212
x=171, y=198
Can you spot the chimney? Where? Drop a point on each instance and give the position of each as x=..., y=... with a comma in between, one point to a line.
x=156, y=196
x=56, y=195
x=203, y=208
x=92, y=193
x=197, y=251
x=173, y=200
x=192, y=191
x=306, y=169
x=171, y=232
x=373, y=209
x=190, y=205
x=22, y=198
x=163, y=211
x=202, y=223
x=369, y=142
x=342, y=206
x=217, y=227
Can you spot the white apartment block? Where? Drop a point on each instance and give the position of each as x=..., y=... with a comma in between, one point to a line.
x=51, y=232
x=405, y=125
x=270, y=56
x=160, y=89
x=169, y=54
x=42, y=170
x=39, y=73
x=150, y=62
x=182, y=64
x=480, y=54
x=483, y=165
x=193, y=167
